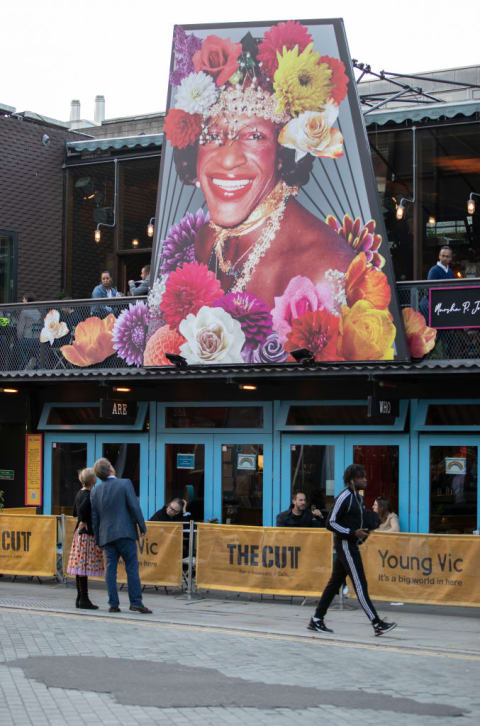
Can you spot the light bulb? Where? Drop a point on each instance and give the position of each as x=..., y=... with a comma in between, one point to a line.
x=471, y=206
x=400, y=211
x=135, y=242
x=98, y=235
x=431, y=221
x=150, y=230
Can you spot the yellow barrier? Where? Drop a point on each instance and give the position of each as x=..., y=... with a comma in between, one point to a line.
x=159, y=555
x=423, y=568
x=28, y=545
x=19, y=510
x=281, y=561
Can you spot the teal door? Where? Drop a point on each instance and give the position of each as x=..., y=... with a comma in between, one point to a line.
x=128, y=454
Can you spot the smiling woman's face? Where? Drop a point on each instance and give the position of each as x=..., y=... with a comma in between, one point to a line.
x=238, y=173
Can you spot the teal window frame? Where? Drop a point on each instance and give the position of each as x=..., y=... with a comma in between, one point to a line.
x=107, y=426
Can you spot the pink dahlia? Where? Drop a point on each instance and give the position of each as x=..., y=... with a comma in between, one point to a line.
x=339, y=79
x=187, y=290
x=129, y=333
x=252, y=314
x=284, y=35
x=162, y=341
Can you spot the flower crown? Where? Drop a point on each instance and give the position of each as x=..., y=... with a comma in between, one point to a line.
x=279, y=77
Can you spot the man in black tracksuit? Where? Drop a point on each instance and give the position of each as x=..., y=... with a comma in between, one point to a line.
x=347, y=522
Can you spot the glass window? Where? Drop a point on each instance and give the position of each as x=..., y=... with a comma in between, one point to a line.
x=125, y=459
x=185, y=476
x=456, y=414
x=453, y=489
x=312, y=471
x=381, y=466
x=8, y=250
x=242, y=484
x=67, y=461
x=85, y=415
x=214, y=417
x=325, y=415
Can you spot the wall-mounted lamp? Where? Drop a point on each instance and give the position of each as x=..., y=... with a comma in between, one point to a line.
x=400, y=213
x=247, y=387
x=10, y=390
x=432, y=221
x=98, y=234
x=150, y=227
x=121, y=389
x=135, y=242
x=471, y=202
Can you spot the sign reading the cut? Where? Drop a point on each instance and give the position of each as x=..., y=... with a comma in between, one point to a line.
x=269, y=236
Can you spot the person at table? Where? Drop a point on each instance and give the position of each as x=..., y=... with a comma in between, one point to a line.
x=388, y=520
x=442, y=270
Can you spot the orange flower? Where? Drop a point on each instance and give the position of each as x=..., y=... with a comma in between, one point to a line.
x=365, y=333
x=420, y=338
x=93, y=342
x=366, y=283
x=164, y=340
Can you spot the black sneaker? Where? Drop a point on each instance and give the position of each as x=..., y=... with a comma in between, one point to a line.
x=383, y=627
x=319, y=626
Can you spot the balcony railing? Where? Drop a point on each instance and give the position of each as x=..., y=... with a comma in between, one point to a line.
x=64, y=335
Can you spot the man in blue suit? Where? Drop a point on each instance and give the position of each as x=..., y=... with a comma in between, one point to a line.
x=115, y=516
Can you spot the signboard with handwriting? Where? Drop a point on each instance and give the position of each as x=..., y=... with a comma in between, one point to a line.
x=454, y=307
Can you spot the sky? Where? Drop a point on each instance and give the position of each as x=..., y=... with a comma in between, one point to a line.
x=54, y=51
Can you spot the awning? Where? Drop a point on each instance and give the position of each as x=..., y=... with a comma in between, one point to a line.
x=423, y=111
x=119, y=142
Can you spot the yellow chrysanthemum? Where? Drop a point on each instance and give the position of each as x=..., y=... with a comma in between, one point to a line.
x=300, y=83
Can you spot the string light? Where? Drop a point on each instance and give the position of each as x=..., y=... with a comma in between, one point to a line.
x=98, y=235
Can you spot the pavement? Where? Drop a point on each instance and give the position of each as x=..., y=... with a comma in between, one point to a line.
x=222, y=659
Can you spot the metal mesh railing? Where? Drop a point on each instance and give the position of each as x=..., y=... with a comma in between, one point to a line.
x=68, y=334
x=450, y=344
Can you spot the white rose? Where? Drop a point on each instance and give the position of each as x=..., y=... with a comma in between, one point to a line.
x=311, y=133
x=212, y=336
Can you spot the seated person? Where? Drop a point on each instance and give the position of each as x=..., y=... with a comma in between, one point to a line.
x=299, y=515
x=174, y=511
x=105, y=289
x=143, y=285
x=388, y=520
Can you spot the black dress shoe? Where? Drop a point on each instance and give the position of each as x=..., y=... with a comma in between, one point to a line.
x=114, y=610
x=87, y=605
x=140, y=609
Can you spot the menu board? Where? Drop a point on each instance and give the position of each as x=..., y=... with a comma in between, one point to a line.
x=33, y=469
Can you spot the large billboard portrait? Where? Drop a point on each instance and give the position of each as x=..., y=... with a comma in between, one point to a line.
x=269, y=235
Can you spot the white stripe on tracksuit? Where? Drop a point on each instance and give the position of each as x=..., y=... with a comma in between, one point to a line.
x=356, y=580
x=337, y=527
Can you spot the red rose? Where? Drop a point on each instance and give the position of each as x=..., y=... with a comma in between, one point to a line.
x=218, y=57
x=181, y=128
x=339, y=80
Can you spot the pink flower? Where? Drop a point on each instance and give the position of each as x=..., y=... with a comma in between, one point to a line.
x=300, y=296
x=162, y=341
x=188, y=289
x=218, y=57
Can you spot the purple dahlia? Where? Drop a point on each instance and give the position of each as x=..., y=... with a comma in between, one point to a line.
x=252, y=314
x=179, y=247
x=184, y=47
x=270, y=351
x=130, y=332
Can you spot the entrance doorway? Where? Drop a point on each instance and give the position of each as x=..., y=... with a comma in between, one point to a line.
x=223, y=477
x=315, y=464
x=67, y=454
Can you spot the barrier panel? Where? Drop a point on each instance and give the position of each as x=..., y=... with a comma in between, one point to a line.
x=19, y=510
x=423, y=568
x=159, y=555
x=270, y=560
x=28, y=545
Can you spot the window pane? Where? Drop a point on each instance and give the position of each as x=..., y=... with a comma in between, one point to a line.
x=125, y=459
x=218, y=417
x=464, y=414
x=184, y=476
x=242, y=484
x=67, y=460
x=381, y=465
x=453, y=489
x=7, y=268
x=312, y=471
x=324, y=415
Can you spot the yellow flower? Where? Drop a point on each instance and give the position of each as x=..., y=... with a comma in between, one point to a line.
x=300, y=82
x=365, y=333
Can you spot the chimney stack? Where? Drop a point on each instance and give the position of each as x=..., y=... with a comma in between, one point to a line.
x=99, y=116
x=75, y=111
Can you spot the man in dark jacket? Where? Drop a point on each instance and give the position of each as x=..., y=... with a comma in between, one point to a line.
x=116, y=514
x=348, y=522
x=174, y=511
x=299, y=514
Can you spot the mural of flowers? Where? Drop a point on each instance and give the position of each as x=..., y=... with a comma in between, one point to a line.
x=420, y=338
x=212, y=336
x=270, y=351
x=300, y=296
x=361, y=238
x=130, y=332
x=300, y=82
x=52, y=327
x=318, y=332
x=284, y=35
x=181, y=128
x=164, y=340
x=312, y=133
x=179, y=247
x=252, y=314
x=187, y=290
x=219, y=57
x=93, y=342
x=365, y=333
x=197, y=93
x=185, y=46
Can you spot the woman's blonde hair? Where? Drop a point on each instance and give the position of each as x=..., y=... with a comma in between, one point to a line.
x=87, y=477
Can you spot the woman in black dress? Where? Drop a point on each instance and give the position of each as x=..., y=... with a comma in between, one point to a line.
x=86, y=558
